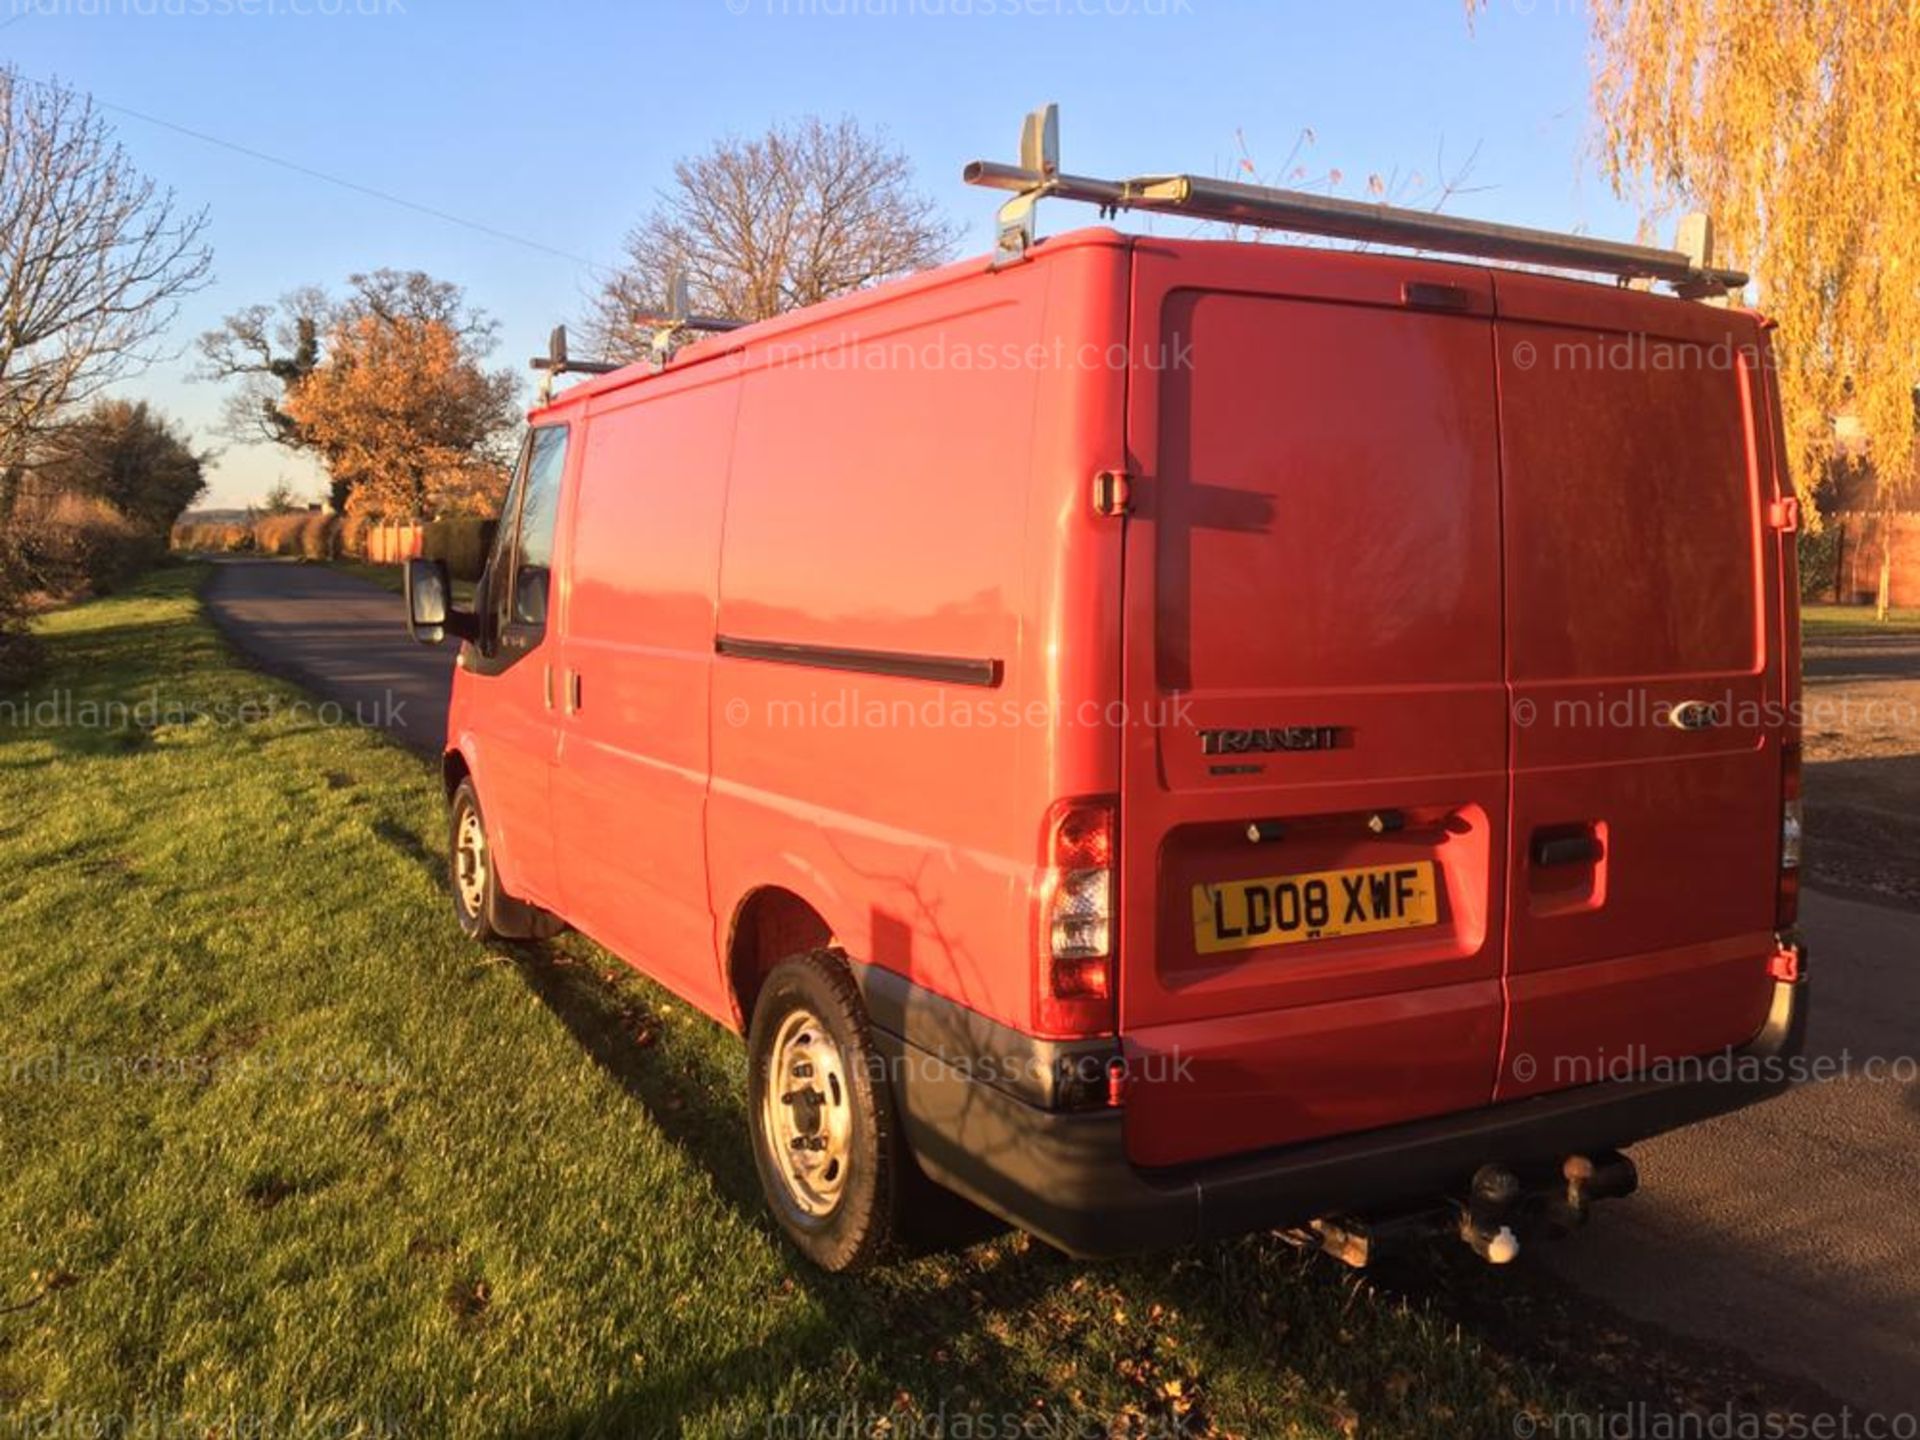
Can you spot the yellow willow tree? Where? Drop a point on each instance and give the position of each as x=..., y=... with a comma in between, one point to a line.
x=1796, y=124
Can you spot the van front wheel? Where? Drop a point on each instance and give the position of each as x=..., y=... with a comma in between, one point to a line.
x=821, y=1114
x=485, y=911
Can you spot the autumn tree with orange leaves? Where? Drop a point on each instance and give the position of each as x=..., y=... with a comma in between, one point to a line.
x=387, y=384
x=404, y=416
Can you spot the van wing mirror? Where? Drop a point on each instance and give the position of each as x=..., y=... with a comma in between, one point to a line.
x=431, y=616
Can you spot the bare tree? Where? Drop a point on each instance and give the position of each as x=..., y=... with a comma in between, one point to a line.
x=266, y=350
x=94, y=258
x=803, y=213
x=1408, y=188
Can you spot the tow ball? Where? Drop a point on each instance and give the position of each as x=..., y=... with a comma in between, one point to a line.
x=1491, y=1201
x=1500, y=1204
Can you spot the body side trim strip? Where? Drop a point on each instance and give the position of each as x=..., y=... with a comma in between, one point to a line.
x=952, y=669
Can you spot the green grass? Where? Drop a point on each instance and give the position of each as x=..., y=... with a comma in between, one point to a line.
x=388, y=577
x=285, y=1154
x=1826, y=621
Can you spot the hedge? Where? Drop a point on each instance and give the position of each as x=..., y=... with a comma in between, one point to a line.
x=73, y=546
x=464, y=543
x=21, y=653
x=212, y=537
x=1820, y=563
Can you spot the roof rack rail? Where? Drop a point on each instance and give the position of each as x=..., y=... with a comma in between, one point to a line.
x=667, y=332
x=669, y=328
x=1038, y=176
x=556, y=362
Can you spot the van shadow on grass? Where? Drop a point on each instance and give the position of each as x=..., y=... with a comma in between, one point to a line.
x=396, y=835
x=948, y=1329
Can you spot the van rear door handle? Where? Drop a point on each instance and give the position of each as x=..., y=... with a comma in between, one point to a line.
x=1563, y=849
x=573, y=692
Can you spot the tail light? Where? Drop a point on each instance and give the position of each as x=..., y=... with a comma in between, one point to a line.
x=1787, y=908
x=1076, y=921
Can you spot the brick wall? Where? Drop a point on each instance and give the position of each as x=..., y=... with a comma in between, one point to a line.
x=1858, y=566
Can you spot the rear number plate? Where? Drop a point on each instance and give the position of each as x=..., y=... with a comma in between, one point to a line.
x=1288, y=909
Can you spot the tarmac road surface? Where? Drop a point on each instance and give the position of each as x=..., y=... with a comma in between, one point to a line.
x=1791, y=1230
x=340, y=637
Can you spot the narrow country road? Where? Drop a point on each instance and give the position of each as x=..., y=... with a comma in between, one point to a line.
x=340, y=637
x=1790, y=1232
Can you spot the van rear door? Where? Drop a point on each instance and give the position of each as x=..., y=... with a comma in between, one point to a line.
x=1643, y=650
x=1314, y=807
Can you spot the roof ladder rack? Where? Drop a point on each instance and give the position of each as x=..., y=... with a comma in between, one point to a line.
x=1689, y=271
x=556, y=363
x=670, y=328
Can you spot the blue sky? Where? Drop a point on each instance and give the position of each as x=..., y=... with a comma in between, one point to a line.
x=560, y=121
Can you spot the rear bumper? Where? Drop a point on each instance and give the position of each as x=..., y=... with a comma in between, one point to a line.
x=1064, y=1175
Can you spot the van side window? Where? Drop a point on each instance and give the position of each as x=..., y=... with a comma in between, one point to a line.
x=525, y=557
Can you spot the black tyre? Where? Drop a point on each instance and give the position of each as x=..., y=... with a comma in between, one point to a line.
x=485, y=911
x=825, y=1140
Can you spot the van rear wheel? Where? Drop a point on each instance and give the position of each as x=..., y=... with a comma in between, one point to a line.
x=485, y=911
x=821, y=1115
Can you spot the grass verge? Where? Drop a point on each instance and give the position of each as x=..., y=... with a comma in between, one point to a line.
x=388, y=577
x=1827, y=621
x=285, y=1155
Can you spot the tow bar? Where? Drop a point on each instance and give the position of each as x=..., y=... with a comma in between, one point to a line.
x=1501, y=1206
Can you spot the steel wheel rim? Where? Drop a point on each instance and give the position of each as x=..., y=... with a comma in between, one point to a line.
x=807, y=1114
x=470, y=861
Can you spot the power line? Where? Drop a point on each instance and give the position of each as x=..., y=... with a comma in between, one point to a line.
x=386, y=196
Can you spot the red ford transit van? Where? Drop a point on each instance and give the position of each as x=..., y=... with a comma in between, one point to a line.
x=1165, y=737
